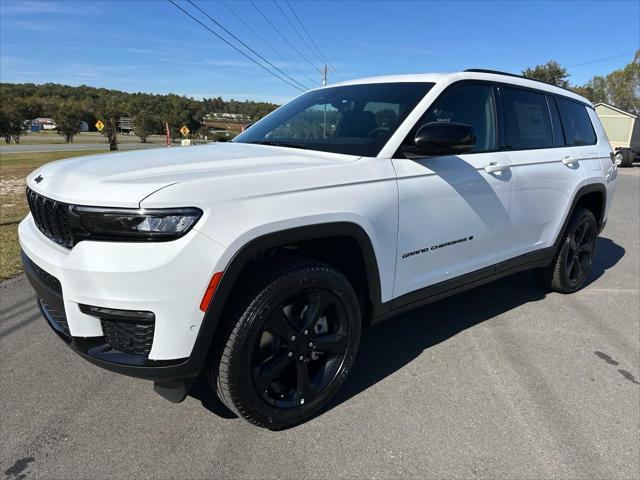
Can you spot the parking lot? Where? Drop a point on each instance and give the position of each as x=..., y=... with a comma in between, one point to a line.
x=502, y=381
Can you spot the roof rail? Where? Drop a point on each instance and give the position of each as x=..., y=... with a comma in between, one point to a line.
x=497, y=72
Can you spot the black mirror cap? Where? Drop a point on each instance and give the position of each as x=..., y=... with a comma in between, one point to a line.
x=444, y=138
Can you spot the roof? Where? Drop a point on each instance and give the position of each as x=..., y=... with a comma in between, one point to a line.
x=469, y=75
x=616, y=109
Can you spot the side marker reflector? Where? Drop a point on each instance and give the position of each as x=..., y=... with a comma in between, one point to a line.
x=211, y=289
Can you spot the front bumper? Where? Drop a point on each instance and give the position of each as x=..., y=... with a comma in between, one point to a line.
x=168, y=279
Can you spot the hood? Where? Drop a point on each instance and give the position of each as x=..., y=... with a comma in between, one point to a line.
x=125, y=179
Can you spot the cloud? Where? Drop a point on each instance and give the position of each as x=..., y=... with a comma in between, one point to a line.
x=142, y=51
x=229, y=63
x=34, y=26
x=78, y=73
x=398, y=49
x=31, y=8
x=35, y=7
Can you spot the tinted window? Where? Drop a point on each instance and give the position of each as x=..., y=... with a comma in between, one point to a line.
x=469, y=104
x=527, y=119
x=576, y=122
x=353, y=119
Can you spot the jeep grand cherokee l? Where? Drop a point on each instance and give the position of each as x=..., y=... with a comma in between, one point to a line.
x=258, y=262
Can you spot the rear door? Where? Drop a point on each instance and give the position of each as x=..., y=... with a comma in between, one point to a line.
x=453, y=209
x=548, y=163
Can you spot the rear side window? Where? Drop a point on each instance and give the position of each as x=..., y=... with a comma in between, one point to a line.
x=578, y=129
x=527, y=119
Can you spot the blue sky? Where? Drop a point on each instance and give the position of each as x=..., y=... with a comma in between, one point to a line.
x=151, y=46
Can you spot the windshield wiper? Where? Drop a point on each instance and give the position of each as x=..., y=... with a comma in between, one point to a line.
x=276, y=143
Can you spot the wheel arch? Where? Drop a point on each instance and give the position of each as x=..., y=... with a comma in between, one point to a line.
x=592, y=196
x=261, y=245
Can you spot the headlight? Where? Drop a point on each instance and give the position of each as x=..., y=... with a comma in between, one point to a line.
x=133, y=225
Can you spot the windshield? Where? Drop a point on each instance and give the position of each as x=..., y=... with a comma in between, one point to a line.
x=354, y=119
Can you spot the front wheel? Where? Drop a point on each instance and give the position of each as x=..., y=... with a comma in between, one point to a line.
x=294, y=340
x=574, y=260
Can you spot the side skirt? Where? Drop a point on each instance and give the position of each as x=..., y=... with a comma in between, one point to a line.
x=538, y=259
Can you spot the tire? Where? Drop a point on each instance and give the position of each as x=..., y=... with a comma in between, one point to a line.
x=259, y=370
x=627, y=158
x=573, y=261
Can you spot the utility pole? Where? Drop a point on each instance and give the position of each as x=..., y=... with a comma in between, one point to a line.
x=324, y=83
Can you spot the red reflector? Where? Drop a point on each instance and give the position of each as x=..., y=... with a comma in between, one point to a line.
x=211, y=289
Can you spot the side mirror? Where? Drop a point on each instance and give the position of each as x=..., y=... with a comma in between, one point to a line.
x=444, y=138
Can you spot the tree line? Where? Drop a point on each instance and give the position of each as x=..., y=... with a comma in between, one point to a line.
x=620, y=88
x=69, y=106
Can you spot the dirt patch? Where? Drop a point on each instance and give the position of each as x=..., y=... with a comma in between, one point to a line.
x=11, y=186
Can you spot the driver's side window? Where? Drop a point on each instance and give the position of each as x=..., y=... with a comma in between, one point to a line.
x=316, y=122
x=471, y=105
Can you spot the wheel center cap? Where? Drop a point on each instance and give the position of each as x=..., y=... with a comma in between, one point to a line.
x=303, y=346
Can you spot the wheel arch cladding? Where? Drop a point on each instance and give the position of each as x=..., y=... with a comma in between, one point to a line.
x=592, y=197
x=343, y=245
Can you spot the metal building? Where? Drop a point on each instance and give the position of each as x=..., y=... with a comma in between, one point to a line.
x=623, y=130
x=618, y=124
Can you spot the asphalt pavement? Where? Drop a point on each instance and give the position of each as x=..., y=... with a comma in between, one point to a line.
x=504, y=381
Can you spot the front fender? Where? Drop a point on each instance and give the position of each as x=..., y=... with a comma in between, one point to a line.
x=242, y=251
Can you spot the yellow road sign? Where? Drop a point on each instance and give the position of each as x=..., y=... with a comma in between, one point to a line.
x=99, y=125
x=184, y=130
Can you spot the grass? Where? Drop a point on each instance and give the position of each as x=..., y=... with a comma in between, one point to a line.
x=14, y=167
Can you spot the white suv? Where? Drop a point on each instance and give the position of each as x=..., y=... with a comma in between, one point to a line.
x=259, y=262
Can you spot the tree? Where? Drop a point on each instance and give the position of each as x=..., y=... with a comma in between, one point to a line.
x=11, y=122
x=623, y=86
x=109, y=105
x=68, y=118
x=145, y=124
x=109, y=109
x=551, y=72
x=595, y=89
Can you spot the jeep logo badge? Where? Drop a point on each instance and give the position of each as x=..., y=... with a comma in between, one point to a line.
x=38, y=179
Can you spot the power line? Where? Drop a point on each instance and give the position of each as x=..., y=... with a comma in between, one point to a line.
x=280, y=33
x=600, y=60
x=234, y=47
x=311, y=39
x=295, y=29
x=245, y=45
x=241, y=20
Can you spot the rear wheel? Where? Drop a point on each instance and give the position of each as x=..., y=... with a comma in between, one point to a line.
x=293, y=342
x=574, y=260
x=624, y=157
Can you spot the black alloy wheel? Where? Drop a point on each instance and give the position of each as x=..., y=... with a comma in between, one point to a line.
x=289, y=345
x=582, y=244
x=574, y=259
x=300, y=348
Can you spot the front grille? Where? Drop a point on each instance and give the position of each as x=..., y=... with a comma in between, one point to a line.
x=57, y=319
x=129, y=336
x=51, y=217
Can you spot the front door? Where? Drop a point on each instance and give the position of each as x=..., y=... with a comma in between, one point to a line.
x=453, y=210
